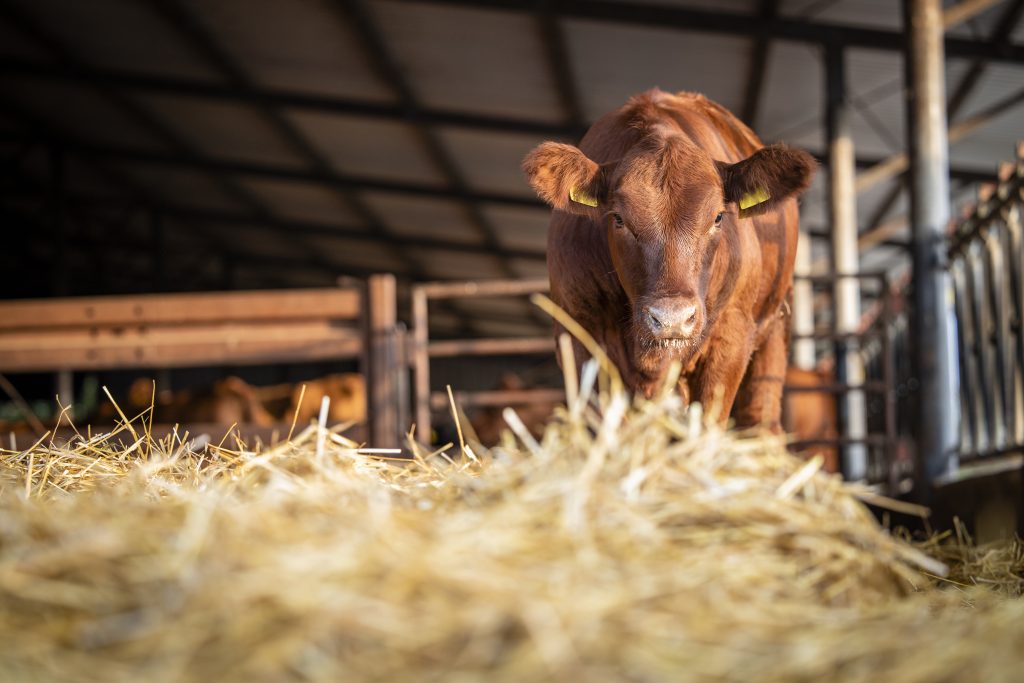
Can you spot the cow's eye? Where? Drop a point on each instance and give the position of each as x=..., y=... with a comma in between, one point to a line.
x=617, y=220
x=718, y=218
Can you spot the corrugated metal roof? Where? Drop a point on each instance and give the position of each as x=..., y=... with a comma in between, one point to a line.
x=184, y=186
x=873, y=13
x=490, y=161
x=520, y=228
x=792, y=107
x=612, y=62
x=77, y=110
x=456, y=265
x=357, y=254
x=407, y=215
x=491, y=61
x=300, y=201
x=223, y=130
x=367, y=147
x=122, y=34
x=297, y=45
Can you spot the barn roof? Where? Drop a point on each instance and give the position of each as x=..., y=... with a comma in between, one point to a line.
x=286, y=143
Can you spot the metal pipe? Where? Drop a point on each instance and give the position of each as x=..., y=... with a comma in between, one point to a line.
x=803, y=306
x=964, y=10
x=664, y=16
x=899, y=162
x=845, y=260
x=935, y=361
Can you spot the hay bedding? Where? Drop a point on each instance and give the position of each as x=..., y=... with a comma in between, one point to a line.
x=633, y=543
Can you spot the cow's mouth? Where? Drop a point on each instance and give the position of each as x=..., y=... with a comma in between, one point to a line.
x=673, y=343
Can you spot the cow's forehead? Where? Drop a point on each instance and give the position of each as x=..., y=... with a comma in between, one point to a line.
x=664, y=181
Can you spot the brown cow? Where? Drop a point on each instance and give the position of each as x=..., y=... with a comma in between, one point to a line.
x=347, y=392
x=674, y=238
x=811, y=415
x=227, y=401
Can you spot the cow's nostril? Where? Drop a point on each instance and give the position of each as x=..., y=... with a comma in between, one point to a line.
x=688, y=320
x=653, y=320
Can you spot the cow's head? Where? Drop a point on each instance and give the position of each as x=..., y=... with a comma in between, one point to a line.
x=666, y=205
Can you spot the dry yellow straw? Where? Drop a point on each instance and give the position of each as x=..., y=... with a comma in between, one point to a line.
x=635, y=540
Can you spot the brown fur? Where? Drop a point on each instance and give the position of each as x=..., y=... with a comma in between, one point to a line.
x=228, y=401
x=811, y=415
x=347, y=392
x=668, y=164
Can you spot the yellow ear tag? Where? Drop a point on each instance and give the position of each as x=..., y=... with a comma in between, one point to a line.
x=758, y=196
x=581, y=197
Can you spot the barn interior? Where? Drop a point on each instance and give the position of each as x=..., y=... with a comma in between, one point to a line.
x=171, y=146
x=252, y=244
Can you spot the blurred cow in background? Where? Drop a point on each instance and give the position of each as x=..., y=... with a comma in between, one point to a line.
x=227, y=401
x=347, y=394
x=232, y=400
x=811, y=415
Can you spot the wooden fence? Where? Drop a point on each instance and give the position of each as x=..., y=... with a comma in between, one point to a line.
x=423, y=350
x=218, y=328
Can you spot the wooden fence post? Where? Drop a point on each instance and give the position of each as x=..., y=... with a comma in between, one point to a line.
x=421, y=364
x=382, y=363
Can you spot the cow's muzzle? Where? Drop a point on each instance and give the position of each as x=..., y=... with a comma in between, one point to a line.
x=672, y=321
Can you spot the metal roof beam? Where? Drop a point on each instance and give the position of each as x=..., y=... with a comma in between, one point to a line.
x=55, y=137
x=357, y=14
x=291, y=174
x=274, y=97
x=205, y=44
x=552, y=36
x=301, y=227
x=144, y=117
x=758, y=66
x=746, y=25
x=967, y=84
x=1000, y=37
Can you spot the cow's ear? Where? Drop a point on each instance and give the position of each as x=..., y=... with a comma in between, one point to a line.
x=771, y=174
x=567, y=179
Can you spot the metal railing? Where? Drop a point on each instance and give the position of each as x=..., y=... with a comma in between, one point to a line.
x=874, y=341
x=986, y=257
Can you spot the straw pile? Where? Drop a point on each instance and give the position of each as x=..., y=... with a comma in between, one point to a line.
x=633, y=542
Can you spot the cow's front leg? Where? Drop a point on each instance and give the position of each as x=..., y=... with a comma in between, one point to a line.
x=759, y=402
x=721, y=372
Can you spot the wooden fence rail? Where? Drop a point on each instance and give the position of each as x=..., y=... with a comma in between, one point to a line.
x=423, y=349
x=219, y=328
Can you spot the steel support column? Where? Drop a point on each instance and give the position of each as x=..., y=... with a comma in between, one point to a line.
x=933, y=325
x=846, y=262
x=803, y=307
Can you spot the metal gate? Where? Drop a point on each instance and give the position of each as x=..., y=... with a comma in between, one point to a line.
x=987, y=262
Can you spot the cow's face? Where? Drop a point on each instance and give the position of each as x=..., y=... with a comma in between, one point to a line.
x=666, y=206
